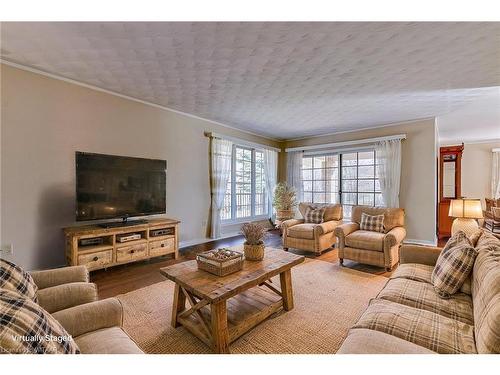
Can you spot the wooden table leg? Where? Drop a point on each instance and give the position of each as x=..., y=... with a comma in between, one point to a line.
x=178, y=306
x=220, y=333
x=286, y=289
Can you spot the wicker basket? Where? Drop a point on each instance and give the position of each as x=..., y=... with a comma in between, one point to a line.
x=208, y=263
x=254, y=252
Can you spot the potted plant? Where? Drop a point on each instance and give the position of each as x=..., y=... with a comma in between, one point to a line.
x=284, y=201
x=254, y=234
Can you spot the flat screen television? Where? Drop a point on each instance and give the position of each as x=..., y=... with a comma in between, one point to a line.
x=110, y=187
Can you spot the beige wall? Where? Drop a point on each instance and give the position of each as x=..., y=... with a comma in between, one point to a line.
x=476, y=170
x=418, y=171
x=44, y=121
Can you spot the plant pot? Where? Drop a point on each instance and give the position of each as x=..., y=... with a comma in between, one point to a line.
x=283, y=215
x=254, y=252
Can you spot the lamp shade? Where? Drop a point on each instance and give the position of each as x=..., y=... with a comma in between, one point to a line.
x=466, y=208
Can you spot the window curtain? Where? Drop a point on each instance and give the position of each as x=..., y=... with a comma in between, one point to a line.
x=294, y=172
x=271, y=174
x=388, y=154
x=220, y=160
x=495, y=175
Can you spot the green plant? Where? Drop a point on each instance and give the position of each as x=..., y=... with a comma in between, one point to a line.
x=285, y=197
x=254, y=233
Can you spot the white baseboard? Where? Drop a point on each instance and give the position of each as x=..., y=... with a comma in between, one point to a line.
x=421, y=242
x=198, y=241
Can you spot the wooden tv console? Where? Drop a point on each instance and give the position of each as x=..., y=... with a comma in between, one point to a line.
x=111, y=252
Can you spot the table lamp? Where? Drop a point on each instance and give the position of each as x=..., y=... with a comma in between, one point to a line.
x=465, y=212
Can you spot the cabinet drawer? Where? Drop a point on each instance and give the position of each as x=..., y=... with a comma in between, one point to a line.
x=131, y=252
x=162, y=247
x=96, y=260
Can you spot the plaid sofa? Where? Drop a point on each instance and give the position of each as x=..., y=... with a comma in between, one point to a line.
x=409, y=317
x=71, y=299
x=369, y=247
x=311, y=237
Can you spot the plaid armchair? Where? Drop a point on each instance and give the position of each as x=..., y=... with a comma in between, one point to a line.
x=368, y=247
x=311, y=237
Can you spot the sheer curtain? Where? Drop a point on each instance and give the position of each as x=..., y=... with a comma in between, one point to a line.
x=495, y=175
x=221, y=152
x=388, y=154
x=271, y=173
x=294, y=172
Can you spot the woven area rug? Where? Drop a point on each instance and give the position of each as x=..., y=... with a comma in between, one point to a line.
x=328, y=301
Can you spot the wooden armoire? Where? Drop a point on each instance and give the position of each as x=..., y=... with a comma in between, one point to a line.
x=450, y=166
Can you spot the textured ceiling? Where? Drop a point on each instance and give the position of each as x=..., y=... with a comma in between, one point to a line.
x=283, y=80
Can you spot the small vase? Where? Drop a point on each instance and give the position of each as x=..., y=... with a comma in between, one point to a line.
x=254, y=252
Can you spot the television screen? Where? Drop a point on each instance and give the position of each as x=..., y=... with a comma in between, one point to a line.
x=110, y=187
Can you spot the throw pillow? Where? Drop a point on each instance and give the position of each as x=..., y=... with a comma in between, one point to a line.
x=29, y=329
x=372, y=223
x=314, y=215
x=15, y=279
x=454, y=265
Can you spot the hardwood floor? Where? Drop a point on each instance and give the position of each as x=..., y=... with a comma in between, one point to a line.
x=129, y=277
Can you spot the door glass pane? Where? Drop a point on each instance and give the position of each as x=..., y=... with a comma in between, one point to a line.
x=319, y=162
x=307, y=197
x=349, y=185
x=349, y=172
x=307, y=162
x=319, y=198
x=366, y=158
x=307, y=185
x=349, y=159
x=347, y=210
x=366, y=172
x=332, y=161
x=379, y=200
x=366, y=185
x=349, y=198
x=307, y=174
x=319, y=174
x=366, y=199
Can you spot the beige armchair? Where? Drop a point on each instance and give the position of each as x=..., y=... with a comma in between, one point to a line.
x=96, y=326
x=312, y=237
x=368, y=247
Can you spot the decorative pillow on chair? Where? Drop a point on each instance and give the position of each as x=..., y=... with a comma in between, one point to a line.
x=314, y=215
x=372, y=223
x=29, y=329
x=15, y=279
x=454, y=265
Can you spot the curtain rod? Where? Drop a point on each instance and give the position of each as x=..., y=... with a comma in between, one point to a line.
x=347, y=143
x=241, y=141
x=495, y=150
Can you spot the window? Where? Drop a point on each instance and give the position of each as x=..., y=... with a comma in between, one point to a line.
x=348, y=178
x=246, y=195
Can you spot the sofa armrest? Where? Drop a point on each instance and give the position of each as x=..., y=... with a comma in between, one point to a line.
x=291, y=222
x=395, y=236
x=64, y=296
x=48, y=278
x=427, y=255
x=345, y=229
x=326, y=227
x=90, y=317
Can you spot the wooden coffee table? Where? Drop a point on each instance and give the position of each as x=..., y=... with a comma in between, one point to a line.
x=221, y=309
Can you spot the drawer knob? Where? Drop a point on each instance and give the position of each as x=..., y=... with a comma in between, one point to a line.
x=95, y=259
x=132, y=251
x=162, y=245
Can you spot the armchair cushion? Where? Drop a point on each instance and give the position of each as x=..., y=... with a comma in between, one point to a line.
x=91, y=317
x=373, y=223
x=332, y=211
x=58, y=276
x=393, y=217
x=64, y=296
x=303, y=231
x=366, y=240
x=17, y=280
x=291, y=222
x=314, y=215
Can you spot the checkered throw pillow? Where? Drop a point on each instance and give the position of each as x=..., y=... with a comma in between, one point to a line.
x=454, y=265
x=372, y=223
x=15, y=279
x=29, y=329
x=314, y=215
